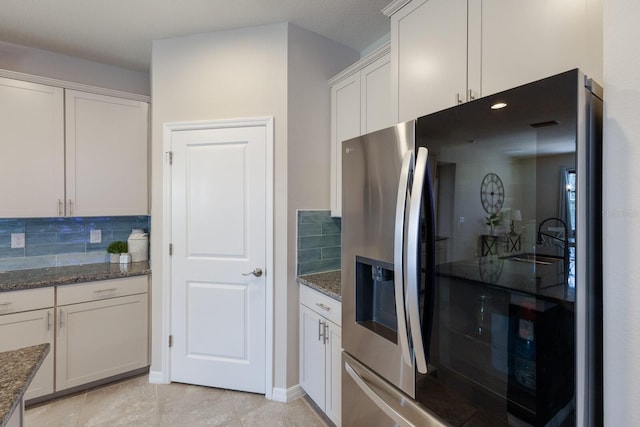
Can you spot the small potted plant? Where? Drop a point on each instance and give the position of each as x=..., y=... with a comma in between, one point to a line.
x=115, y=249
x=493, y=220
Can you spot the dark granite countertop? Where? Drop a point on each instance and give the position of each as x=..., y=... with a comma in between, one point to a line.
x=328, y=283
x=541, y=280
x=52, y=276
x=17, y=369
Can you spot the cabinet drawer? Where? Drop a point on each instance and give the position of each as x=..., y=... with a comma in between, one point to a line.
x=93, y=291
x=321, y=304
x=28, y=299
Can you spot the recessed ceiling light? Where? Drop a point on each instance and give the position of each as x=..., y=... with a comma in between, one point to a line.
x=498, y=105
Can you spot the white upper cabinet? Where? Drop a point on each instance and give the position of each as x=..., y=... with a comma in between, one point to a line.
x=360, y=103
x=32, y=147
x=71, y=153
x=429, y=57
x=523, y=41
x=449, y=51
x=106, y=155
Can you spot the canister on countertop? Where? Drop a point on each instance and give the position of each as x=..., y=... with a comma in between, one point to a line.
x=138, y=245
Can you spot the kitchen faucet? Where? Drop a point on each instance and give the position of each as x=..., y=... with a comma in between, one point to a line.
x=565, y=241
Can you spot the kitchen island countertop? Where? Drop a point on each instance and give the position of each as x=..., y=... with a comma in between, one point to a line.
x=17, y=369
x=328, y=283
x=52, y=276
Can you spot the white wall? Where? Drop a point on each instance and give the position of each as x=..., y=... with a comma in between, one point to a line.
x=63, y=67
x=621, y=212
x=276, y=70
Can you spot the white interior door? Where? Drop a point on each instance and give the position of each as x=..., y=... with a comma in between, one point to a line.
x=218, y=233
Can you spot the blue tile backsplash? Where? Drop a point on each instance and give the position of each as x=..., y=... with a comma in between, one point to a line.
x=52, y=242
x=319, y=245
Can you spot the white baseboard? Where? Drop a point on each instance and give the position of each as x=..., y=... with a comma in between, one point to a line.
x=287, y=394
x=156, y=377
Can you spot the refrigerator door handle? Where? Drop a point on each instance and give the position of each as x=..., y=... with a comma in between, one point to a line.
x=413, y=264
x=398, y=254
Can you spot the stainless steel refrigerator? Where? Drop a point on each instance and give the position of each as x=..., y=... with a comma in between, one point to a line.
x=471, y=263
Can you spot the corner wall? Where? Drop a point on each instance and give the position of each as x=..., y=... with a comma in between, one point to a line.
x=231, y=74
x=621, y=203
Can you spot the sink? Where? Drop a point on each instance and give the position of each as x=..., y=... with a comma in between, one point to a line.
x=534, y=259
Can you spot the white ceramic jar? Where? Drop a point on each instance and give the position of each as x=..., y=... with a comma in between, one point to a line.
x=138, y=245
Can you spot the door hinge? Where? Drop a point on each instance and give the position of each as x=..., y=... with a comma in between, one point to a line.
x=170, y=248
x=170, y=157
x=170, y=340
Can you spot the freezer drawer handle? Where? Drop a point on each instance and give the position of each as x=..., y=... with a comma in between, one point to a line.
x=399, y=254
x=379, y=401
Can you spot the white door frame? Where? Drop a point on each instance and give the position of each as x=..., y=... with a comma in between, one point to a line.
x=168, y=128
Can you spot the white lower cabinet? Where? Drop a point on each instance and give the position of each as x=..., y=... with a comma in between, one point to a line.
x=25, y=324
x=320, y=351
x=103, y=336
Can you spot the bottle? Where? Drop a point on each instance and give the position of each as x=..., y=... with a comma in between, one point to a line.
x=138, y=245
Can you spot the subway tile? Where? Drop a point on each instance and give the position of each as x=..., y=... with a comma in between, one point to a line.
x=333, y=226
x=305, y=217
x=25, y=263
x=318, y=266
x=319, y=241
x=81, y=258
x=306, y=255
x=8, y=226
x=31, y=239
x=309, y=229
x=55, y=249
x=55, y=225
x=7, y=252
x=332, y=252
x=74, y=237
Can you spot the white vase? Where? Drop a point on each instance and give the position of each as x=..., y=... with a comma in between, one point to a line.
x=114, y=258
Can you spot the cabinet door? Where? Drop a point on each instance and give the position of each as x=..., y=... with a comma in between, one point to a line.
x=345, y=124
x=312, y=355
x=26, y=329
x=523, y=41
x=429, y=62
x=32, y=140
x=333, y=407
x=99, y=339
x=375, y=89
x=106, y=155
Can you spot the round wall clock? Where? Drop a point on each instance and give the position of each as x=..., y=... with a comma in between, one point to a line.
x=492, y=193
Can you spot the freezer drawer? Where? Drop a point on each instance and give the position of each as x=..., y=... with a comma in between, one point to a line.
x=368, y=400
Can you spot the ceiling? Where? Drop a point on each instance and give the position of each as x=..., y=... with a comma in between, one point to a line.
x=120, y=32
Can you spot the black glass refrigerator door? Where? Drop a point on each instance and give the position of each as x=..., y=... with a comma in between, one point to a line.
x=502, y=235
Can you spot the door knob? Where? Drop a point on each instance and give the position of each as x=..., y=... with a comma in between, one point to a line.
x=256, y=272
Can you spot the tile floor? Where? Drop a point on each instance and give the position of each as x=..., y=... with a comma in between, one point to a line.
x=135, y=402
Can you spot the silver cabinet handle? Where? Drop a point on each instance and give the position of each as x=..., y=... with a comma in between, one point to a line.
x=458, y=99
x=322, y=306
x=471, y=97
x=59, y=207
x=320, y=330
x=100, y=291
x=49, y=320
x=70, y=207
x=326, y=332
x=256, y=272
x=4, y=306
x=60, y=319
